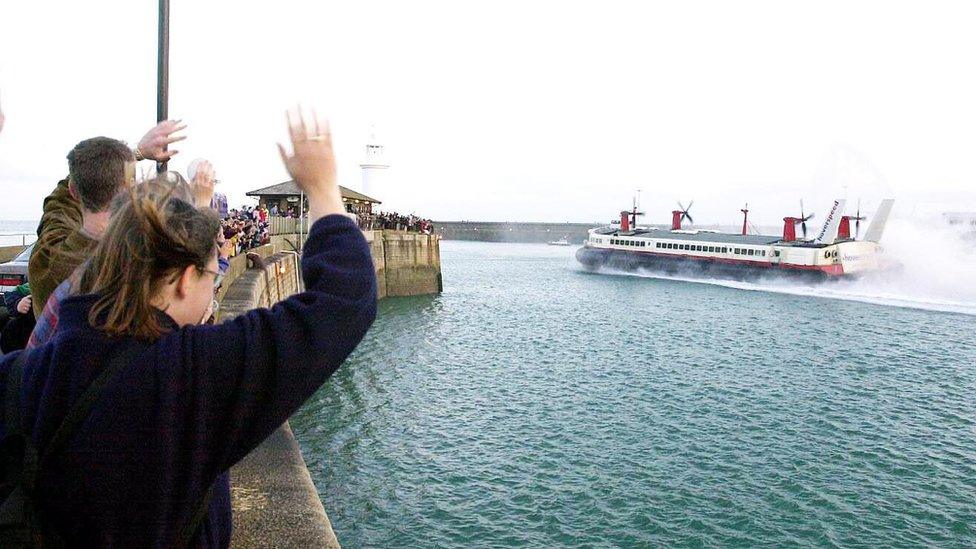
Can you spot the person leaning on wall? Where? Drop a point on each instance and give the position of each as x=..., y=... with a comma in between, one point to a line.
x=170, y=404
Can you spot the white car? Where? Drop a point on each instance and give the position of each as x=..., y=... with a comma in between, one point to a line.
x=14, y=272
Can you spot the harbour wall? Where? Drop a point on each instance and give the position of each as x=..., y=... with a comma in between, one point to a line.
x=406, y=263
x=275, y=502
x=274, y=499
x=504, y=231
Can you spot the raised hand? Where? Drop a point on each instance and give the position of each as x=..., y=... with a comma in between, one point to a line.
x=202, y=185
x=152, y=146
x=24, y=305
x=312, y=164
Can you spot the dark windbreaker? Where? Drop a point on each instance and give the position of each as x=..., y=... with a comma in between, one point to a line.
x=196, y=401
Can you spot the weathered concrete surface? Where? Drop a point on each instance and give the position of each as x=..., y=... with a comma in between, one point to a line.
x=275, y=501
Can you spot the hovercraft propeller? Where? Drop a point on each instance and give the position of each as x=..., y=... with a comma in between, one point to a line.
x=803, y=220
x=684, y=212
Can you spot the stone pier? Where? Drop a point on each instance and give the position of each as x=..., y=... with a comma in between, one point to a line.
x=275, y=502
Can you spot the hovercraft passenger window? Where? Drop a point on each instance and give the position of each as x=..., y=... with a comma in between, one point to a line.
x=752, y=252
x=776, y=253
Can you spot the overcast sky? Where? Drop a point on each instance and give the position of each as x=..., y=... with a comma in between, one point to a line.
x=550, y=111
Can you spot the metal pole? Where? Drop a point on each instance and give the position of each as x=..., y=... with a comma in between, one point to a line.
x=301, y=222
x=162, y=71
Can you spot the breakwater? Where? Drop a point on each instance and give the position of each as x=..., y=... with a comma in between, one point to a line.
x=504, y=231
x=275, y=502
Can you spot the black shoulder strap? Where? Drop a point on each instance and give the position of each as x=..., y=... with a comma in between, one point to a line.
x=186, y=535
x=12, y=405
x=126, y=351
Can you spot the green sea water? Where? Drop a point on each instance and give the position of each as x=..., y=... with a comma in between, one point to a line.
x=533, y=404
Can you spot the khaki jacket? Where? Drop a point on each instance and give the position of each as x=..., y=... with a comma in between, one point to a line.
x=61, y=245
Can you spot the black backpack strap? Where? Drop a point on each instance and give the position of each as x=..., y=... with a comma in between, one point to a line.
x=12, y=405
x=186, y=535
x=126, y=351
x=124, y=354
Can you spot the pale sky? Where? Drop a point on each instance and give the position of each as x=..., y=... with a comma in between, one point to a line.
x=528, y=110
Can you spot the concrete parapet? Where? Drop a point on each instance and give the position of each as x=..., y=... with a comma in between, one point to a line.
x=275, y=502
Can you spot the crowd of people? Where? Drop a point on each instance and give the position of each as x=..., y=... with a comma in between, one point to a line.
x=246, y=228
x=127, y=407
x=397, y=222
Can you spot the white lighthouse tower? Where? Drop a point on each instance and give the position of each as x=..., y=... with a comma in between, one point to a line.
x=374, y=167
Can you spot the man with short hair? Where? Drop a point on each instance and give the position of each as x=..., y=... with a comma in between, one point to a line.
x=77, y=212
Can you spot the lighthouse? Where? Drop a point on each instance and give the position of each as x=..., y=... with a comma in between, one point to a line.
x=374, y=165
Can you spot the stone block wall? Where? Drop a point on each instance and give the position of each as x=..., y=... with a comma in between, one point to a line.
x=406, y=263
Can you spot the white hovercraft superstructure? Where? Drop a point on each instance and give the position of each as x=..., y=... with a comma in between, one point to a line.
x=834, y=252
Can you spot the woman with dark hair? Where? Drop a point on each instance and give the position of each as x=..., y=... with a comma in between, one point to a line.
x=177, y=403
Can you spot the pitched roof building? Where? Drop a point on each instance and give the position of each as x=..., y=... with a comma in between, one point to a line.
x=287, y=194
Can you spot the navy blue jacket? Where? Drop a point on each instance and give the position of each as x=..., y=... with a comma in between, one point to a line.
x=196, y=402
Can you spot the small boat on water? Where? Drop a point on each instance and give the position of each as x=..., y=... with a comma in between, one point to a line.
x=835, y=252
x=564, y=241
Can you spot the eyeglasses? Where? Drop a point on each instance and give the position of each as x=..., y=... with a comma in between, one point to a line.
x=217, y=276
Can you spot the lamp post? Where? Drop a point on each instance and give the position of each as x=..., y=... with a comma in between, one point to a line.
x=162, y=72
